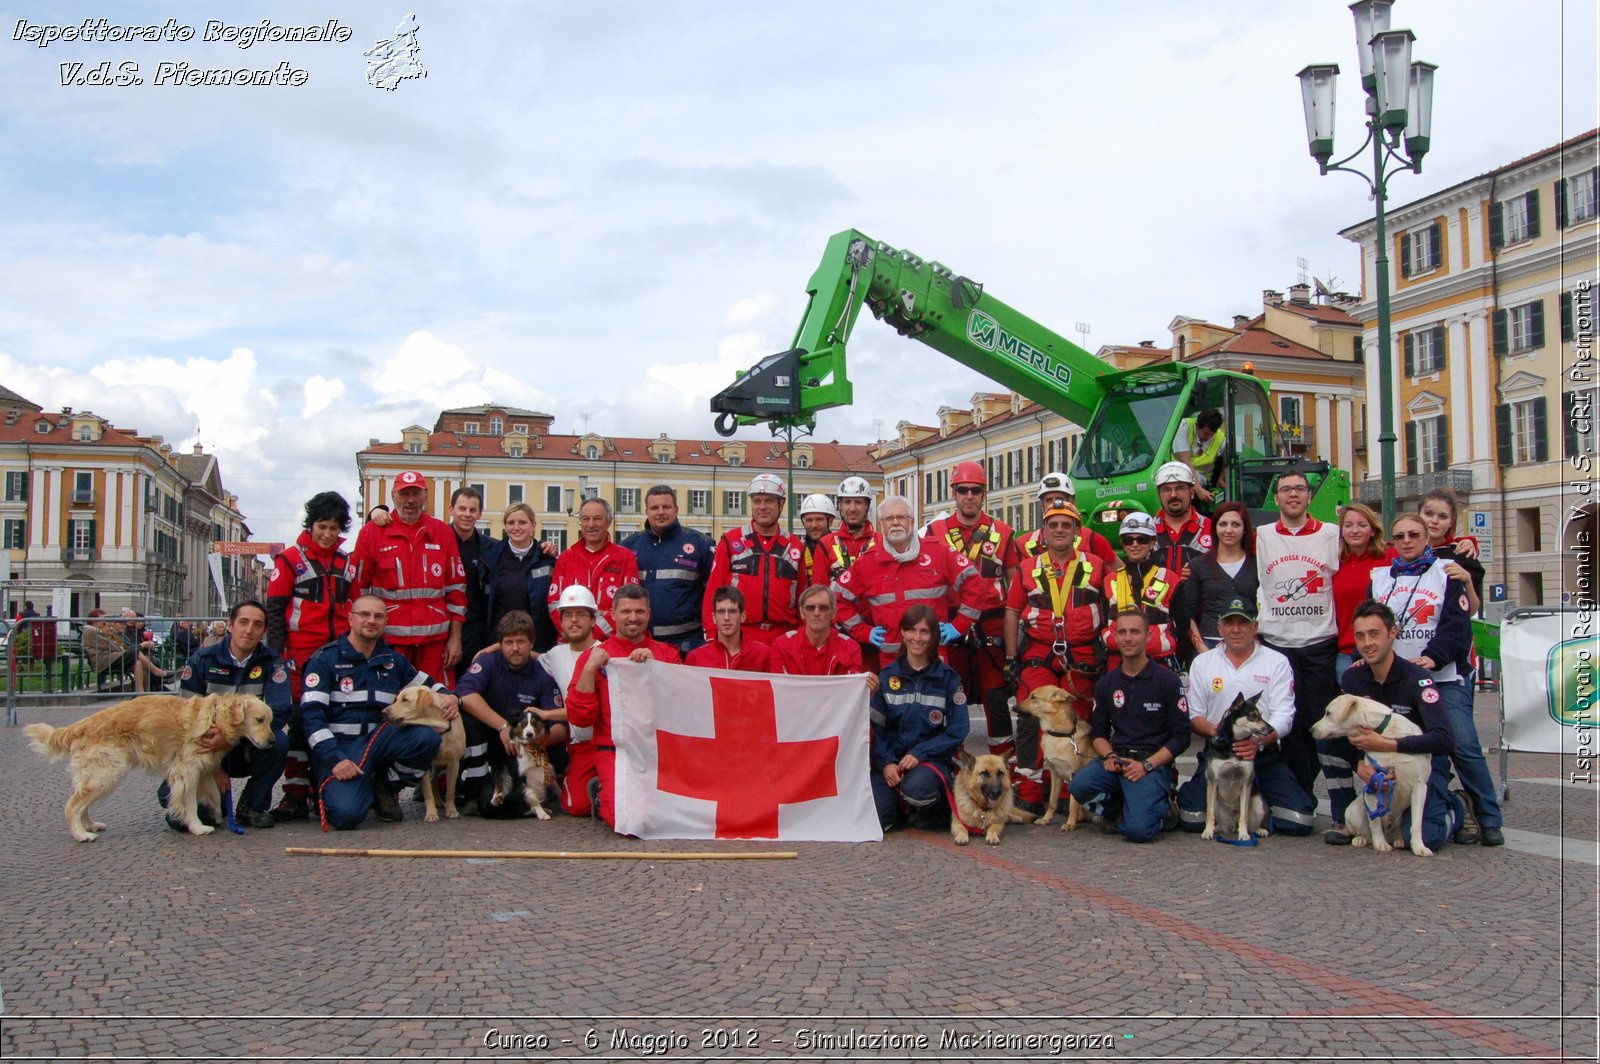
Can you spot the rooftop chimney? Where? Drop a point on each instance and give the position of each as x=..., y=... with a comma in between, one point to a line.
x=1240, y=321
x=1147, y=343
x=199, y=449
x=1300, y=294
x=1272, y=297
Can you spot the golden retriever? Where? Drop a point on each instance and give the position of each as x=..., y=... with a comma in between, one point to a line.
x=416, y=705
x=1065, y=744
x=158, y=734
x=984, y=801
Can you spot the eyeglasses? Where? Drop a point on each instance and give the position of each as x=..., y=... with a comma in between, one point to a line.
x=969, y=489
x=1293, y=489
x=1130, y=540
x=368, y=615
x=817, y=607
x=1401, y=537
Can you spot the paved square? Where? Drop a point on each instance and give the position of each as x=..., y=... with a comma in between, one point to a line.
x=147, y=943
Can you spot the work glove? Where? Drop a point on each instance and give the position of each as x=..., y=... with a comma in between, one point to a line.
x=948, y=633
x=877, y=636
x=1013, y=675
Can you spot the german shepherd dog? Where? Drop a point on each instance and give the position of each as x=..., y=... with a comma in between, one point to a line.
x=1064, y=743
x=1232, y=802
x=983, y=797
x=520, y=788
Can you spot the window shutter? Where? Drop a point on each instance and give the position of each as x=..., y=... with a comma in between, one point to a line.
x=1444, y=441
x=1411, y=357
x=1541, y=437
x=94, y=538
x=1405, y=255
x=1566, y=317
x=1435, y=243
x=1440, y=355
x=1569, y=428
x=1411, y=448
x=1500, y=332
x=1533, y=214
x=1497, y=232
x=1502, y=433
x=1536, y=315
x=1561, y=203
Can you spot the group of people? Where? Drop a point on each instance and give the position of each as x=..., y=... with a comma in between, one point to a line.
x=1154, y=637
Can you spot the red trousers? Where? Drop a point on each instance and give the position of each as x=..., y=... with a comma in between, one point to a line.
x=581, y=768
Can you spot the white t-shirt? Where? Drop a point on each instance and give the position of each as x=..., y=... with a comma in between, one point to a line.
x=561, y=663
x=1296, y=593
x=1214, y=682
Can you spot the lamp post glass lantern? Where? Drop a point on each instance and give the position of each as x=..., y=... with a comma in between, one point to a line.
x=1399, y=99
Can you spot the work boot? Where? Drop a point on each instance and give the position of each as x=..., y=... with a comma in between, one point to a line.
x=386, y=803
x=290, y=809
x=1469, y=833
x=261, y=819
x=1492, y=837
x=1338, y=838
x=594, y=797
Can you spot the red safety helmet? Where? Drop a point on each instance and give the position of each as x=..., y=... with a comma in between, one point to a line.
x=969, y=473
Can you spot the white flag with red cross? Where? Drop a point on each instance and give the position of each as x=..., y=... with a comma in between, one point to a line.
x=715, y=754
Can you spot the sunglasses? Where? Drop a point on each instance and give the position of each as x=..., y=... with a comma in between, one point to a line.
x=1126, y=540
x=969, y=490
x=1402, y=536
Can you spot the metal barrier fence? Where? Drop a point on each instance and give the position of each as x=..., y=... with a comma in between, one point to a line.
x=57, y=660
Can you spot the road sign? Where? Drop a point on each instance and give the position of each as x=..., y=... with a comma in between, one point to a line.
x=1481, y=526
x=1497, y=592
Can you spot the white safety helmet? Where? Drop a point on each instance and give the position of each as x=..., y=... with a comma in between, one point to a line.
x=1056, y=484
x=855, y=488
x=1174, y=473
x=1138, y=524
x=577, y=597
x=818, y=504
x=766, y=484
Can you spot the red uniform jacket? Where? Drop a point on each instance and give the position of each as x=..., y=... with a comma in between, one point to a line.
x=753, y=656
x=308, y=599
x=601, y=571
x=839, y=550
x=1152, y=591
x=877, y=590
x=837, y=656
x=767, y=571
x=1174, y=546
x=592, y=709
x=416, y=570
x=1077, y=596
x=991, y=546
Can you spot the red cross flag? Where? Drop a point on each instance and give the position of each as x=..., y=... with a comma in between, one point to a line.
x=716, y=754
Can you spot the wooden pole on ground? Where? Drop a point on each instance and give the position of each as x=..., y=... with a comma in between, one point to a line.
x=550, y=855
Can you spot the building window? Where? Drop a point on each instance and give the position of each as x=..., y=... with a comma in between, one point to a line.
x=519, y=429
x=1521, y=427
x=1424, y=351
x=552, y=498
x=1576, y=198
x=591, y=452
x=13, y=536
x=83, y=487
x=496, y=426
x=802, y=461
x=414, y=447
x=663, y=457
x=558, y=536
x=1290, y=411
x=733, y=503
x=1530, y=539
x=17, y=487
x=1514, y=220
x=1531, y=589
x=516, y=450
x=1427, y=445
x=85, y=432
x=1419, y=250
x=41, y=427
x=80, y=536
x=700, y=503
x=470, y=428
x=1519, y=329
x=1577, y=420
x=627, y=500
x=513, y=493
x=736, y=459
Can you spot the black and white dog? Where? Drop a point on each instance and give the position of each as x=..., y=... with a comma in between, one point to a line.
x=520, y=788
x=1231, y=799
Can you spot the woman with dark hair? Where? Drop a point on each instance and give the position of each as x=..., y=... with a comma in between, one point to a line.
x=308, y=606
x=1361, y=550
x=919, y=721
x=1440, y=510
x=1226, y=571
x=516, y=576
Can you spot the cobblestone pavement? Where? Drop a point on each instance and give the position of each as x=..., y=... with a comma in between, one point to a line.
x=152, y=944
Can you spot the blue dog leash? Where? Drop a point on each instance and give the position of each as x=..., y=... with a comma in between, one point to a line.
x=1381, y=785
x=227, y=812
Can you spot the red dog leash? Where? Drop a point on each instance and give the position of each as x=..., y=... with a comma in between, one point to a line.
x=950, y=797
x=322, y=809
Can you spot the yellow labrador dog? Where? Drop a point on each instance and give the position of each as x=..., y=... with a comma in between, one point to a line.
x=158, y=734
x=1065, y=744
x=1408, y=771
x=415, y=705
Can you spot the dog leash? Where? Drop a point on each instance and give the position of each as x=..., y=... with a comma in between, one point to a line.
x=1381, y=786
x=227, y=813
x=949, y=796
x=322, y=808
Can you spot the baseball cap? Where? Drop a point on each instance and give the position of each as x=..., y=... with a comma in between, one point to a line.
x=766, y=484
x=1238, y=607
x=1139, y=524
x=410, y=479
x=1063, y=509
x=577, y=597
x=1174, y=473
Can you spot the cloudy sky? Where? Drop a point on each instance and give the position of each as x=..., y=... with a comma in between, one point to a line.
x=604, y=208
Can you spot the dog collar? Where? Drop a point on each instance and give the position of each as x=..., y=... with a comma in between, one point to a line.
x=1384, y=723
x=1060, y=734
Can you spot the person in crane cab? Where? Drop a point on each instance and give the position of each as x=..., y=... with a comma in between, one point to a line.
x=1057, y=489
x=762, y=562
x=1198, y=444
x=817, y=514
x=1145, y=584
x=991, y=546
x=1055, y=615
x=1183, y=531
x=855, y=535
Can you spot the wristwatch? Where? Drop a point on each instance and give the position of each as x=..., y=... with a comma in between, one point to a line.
x=1146, y=765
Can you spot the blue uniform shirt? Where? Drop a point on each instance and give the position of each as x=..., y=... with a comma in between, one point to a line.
x=919, y=713
x=509, y=691
x=344, y=694
x=212, y=671
x=673, y=568
x=1410, y=692
x=1140, y=714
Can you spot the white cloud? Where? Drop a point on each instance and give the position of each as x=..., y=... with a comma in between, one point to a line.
x=321, y=393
